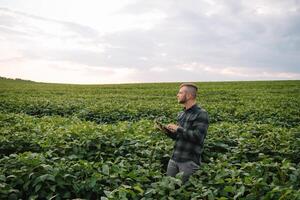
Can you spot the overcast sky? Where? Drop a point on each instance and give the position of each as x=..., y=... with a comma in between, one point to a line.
x=95, y=41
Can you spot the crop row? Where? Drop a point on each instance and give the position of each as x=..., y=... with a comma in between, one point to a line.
x=56, y=157
x=280, y=111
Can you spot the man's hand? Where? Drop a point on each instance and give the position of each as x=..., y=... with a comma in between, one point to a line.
x=172, y=127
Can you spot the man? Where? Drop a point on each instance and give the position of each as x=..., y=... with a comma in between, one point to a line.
x=189, y=134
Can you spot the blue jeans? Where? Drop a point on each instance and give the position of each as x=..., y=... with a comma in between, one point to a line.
x=188, y=168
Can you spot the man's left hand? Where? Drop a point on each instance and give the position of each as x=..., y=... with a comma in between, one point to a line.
x=172, y=127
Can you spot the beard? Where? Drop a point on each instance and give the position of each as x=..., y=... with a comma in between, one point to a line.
x=183, y=100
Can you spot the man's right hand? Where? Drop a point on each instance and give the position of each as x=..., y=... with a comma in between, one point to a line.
x=162, y=127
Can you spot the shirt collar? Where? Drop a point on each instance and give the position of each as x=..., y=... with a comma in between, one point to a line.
x=191, y=108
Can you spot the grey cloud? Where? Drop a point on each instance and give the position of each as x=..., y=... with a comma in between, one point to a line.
x=11, y=20
x=15, y=28
x=234, y=35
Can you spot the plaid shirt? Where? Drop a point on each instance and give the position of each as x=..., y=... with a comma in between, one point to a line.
x=189, y=137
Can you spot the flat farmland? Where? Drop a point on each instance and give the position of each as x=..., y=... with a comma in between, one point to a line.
x=60, y=141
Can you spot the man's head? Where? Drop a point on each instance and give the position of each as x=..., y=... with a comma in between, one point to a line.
x=187, y=92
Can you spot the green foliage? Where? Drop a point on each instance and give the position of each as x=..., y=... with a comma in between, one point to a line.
x=100, y=142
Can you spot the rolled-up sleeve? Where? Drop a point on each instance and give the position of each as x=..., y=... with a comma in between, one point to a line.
x=171, y=135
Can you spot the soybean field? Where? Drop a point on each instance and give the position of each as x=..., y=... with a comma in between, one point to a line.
x=64, y=141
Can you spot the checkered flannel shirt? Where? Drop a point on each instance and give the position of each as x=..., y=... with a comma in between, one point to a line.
x=189, y=137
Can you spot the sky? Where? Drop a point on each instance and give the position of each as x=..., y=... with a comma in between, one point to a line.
x=133, y=41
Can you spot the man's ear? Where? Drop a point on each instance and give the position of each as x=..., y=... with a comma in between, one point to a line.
x=188, y=95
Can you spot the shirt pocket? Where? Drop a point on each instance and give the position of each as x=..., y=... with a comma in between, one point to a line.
x=192, y=121
x=192, y=117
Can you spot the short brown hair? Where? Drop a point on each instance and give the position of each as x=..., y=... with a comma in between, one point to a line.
x=189, y=84
x=193, y=89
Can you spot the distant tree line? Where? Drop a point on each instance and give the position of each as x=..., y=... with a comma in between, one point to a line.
x=16, y=79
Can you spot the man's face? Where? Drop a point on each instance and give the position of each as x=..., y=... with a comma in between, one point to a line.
x=182, y=95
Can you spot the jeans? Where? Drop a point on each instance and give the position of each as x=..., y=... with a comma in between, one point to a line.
x=188, y=168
